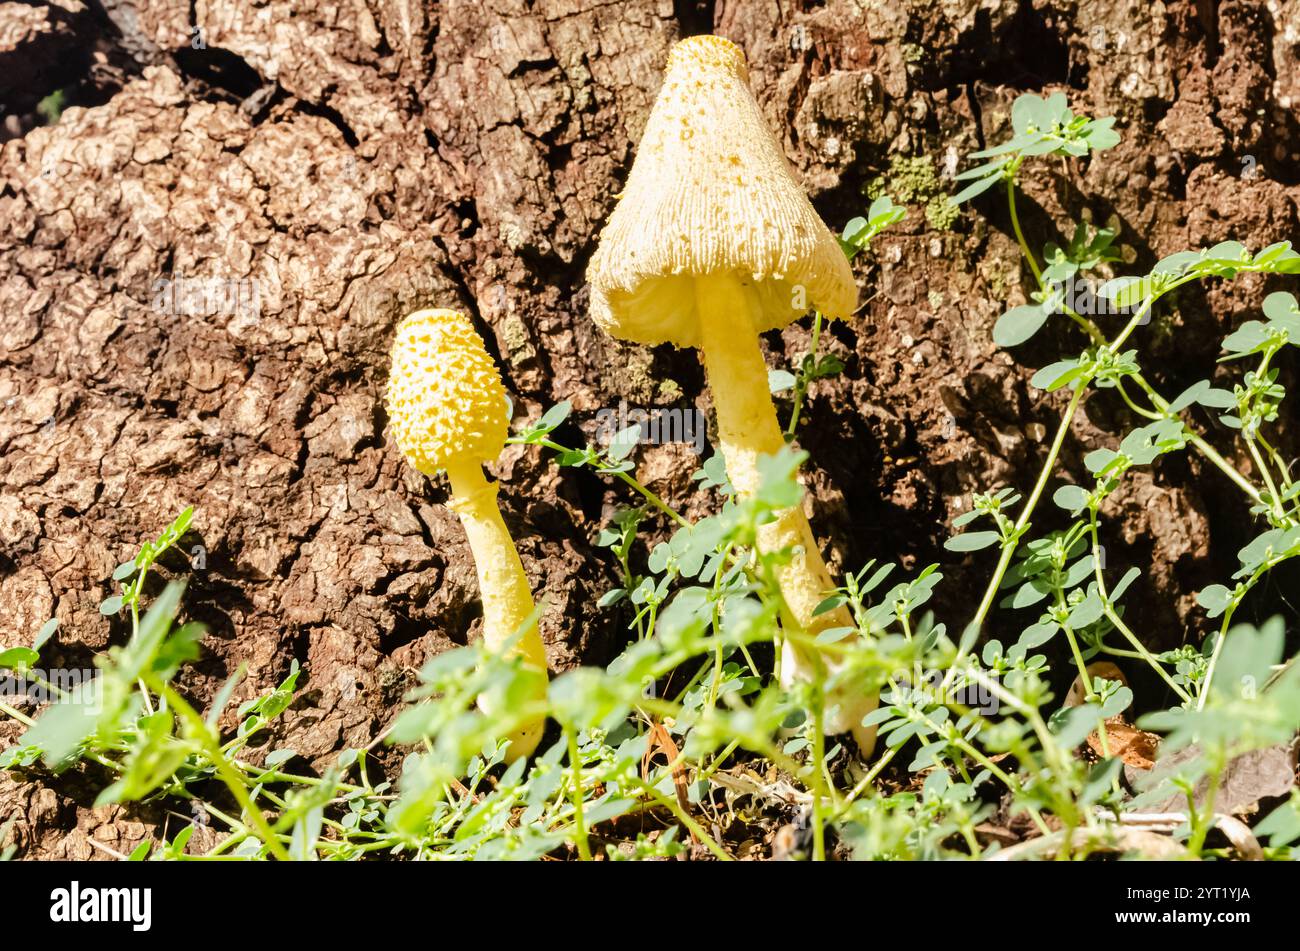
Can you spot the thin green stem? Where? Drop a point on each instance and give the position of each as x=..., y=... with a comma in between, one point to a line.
x=1015, y=225
x=1214, y=658
x=1204, y=448
x=818, y=783
x=1210, y=453
x=974, y=753
x=1009, y=546
x=1096, y=335
x=1274, y=457
x=1149, y=414
x=1113, y=616
x=685, y=818
x=1205, y=817
x=1049, y=465
x=229, y=775
x=653, y=499
x=801, y=384
x=1134, y=322
x=1274, y=500
x=135, y=628
x=1118, y=652
x=21, y=717
x=575, y=764
x=871, y=775
x=1084, y=679
x=1144, y=654
x=1045, y=737
x=632, y=483
x=718, y=760
x=1238, y=597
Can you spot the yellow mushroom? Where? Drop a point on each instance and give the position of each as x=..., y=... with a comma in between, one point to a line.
x=712, y=243
x=448, y=411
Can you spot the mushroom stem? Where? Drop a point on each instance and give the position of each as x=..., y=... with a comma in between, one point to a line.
x=748, y=429
x=507, y=599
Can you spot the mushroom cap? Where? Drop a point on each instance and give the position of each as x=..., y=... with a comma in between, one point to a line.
x=711, y=192
x=446, y=403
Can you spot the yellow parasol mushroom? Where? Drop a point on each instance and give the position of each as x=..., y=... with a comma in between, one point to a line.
x=448, y=411
x=712, y=243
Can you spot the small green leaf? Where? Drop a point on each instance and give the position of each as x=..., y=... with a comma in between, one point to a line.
x=877, y=576
x=1126, y=292
x=611, y=597
x=18, y=658
x=1100, y=135
x=1282, y=825
x=1280, y=306
x=1087, y=611
x=974, y=189
x=64, y=724
x=624, y=441
x=1215, y=599
x=1030, y=114
x=779, y=380
x=1247, y=656
x=276, y=757
x=1019, y=324
x=1099, y=459
x=1250, y=337
x=1030, y=593
x=45, y=633
x=1072, y=498
x=1073, y=724
x=1037, y=634
x=1130, y=576
x=1056, y=375
x=972, y=541
x=554, y=416
x=834, y=634
x=1117, y=702
x=829, y=604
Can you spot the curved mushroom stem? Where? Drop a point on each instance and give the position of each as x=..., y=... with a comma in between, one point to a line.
x=503, y=586
x=748, y=429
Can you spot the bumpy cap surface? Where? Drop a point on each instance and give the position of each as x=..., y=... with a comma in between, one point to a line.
x=711, y=192
x=446, y=403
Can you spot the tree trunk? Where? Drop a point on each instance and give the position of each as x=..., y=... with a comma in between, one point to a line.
x=204, y=258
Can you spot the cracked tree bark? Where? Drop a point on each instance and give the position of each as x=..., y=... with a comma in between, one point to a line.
x=345, y=166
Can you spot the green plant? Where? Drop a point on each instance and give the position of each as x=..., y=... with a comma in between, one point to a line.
x=1063, y=573
x=697, y=604
x=135, y=726
x=688, y=743
x=51, y=107
x=1047, y=128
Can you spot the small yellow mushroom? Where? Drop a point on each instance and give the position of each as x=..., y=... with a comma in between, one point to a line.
x=689, y=259
x=448, y=411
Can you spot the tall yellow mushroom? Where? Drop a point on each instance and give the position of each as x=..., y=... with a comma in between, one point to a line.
x=448, y=411
x=712, y=243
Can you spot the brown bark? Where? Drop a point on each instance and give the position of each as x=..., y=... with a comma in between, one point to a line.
x=362, y=159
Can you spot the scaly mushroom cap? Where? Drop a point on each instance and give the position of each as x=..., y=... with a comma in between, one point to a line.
x=710, y=192
x=445, y=399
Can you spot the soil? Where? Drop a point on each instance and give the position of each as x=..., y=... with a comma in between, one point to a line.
x=354, y=161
